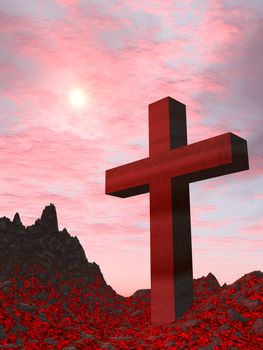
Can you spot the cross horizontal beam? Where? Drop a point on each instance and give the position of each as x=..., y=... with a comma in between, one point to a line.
x=216, y=156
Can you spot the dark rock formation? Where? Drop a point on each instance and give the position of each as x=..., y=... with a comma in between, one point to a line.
x=48, y=219
x=17, y=220
x=42, y=245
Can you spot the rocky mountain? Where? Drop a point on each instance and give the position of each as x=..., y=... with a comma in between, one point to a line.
x=24, y=251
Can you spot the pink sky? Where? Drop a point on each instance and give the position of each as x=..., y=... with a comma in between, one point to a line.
x=125, y=55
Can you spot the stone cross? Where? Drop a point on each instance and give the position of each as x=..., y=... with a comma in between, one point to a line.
x=166, y=174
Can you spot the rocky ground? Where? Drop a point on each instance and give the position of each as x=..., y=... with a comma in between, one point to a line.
x=51, y=297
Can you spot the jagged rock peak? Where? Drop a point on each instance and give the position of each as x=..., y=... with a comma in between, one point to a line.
x=17, y=219
x=211, y=276
x=211, y=279
x=49, y=217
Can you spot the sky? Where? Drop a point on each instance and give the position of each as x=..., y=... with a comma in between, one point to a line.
x=125, y=55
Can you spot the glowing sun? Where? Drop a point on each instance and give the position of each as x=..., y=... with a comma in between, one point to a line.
x=77, y=98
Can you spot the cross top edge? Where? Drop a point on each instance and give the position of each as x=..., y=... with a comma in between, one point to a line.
x=167, y=99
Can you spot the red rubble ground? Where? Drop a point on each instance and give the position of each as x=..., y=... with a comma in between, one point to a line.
x=51, y=297
x=70, y=316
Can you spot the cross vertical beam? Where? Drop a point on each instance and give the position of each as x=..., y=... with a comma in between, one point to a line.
x=170, y=240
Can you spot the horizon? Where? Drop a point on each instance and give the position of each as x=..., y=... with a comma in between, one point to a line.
x=52, y=204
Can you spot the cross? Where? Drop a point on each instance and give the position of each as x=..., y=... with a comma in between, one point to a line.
x=166, y=174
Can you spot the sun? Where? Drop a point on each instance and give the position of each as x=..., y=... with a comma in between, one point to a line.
x=77, y=98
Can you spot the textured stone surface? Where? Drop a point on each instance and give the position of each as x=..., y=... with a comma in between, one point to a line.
x=43, y=245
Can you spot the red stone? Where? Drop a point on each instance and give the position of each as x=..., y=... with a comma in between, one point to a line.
x=166, y=174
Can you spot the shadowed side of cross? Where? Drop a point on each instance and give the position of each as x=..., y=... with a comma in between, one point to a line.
x=166, y=174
